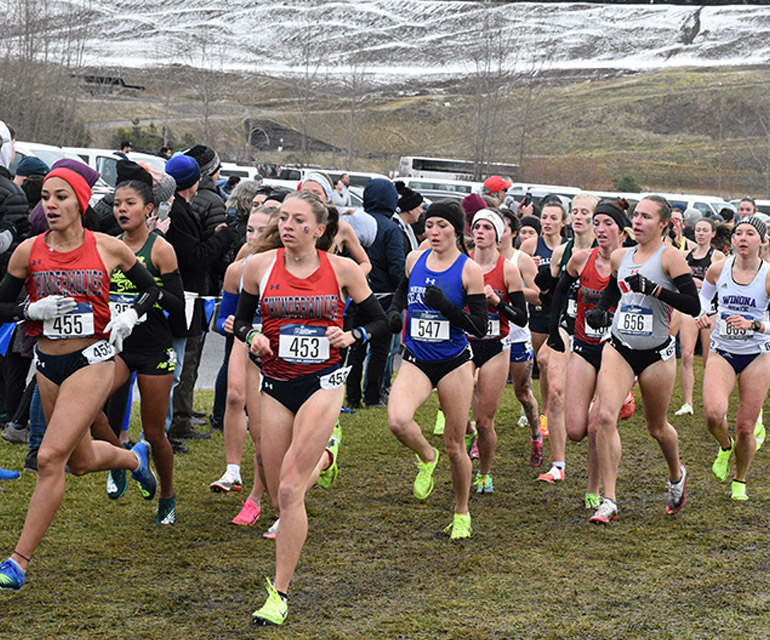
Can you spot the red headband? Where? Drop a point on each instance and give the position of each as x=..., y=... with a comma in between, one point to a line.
x=77, y=182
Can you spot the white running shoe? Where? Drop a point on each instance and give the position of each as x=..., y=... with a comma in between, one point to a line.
x=684, y=410
x=272, y=531
x=226, y=484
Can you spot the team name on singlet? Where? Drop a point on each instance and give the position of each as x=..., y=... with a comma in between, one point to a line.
x=70, y=282
x=589, y=297
x=305, y=307
x=739, y=303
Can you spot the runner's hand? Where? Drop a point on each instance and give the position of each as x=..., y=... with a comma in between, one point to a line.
x=121, y=326
x=50, y=307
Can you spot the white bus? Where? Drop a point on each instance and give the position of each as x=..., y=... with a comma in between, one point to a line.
x=421, y=167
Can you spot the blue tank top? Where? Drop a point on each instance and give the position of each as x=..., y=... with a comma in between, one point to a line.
x=427, y=333
x=537, y=311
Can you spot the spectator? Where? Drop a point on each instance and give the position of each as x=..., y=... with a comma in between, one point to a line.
x=386, y=254
x=196, y=253
x=14, y=207
x=126, y=147
x=497, y=187
x=165, y=153
x=340, y=197
x=746, y=207
x=30, y=166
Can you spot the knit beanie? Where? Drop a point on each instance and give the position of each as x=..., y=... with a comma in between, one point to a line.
x=532, y=221
x=32, y=166
x=206, y=157
x=449, y=210
x=163, y=186
x=77, y=182
x=754, y=221
x=128, y=170
x=409, y=199
x=494, y=218
x=185, y=170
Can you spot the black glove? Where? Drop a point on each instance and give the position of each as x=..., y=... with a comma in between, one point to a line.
x=598, y=318
x=639, y=284
x=555, y=341
x=395, y=321
x=434, y=297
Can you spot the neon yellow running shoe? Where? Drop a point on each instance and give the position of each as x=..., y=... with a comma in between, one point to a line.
x=423, y=483
x=438, y=428
x=275, y=609
x=327, y=477
x=592, y=500
x=759, y=431
x=721, y=465
x=738, y=491
x=460, y=527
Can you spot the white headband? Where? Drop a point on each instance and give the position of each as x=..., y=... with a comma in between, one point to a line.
x=493, y=218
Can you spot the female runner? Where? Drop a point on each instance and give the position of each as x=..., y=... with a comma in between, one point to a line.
x=67, y=276
x=581, y=211
x=299, y=290
x=590, y=269
x=552, y=219
x=502, y=288
x=237, y=398
x=147, y=351
x=520, y=339
x=439, y=283
x=740, y=349
x=647, y=281
x=699, y=260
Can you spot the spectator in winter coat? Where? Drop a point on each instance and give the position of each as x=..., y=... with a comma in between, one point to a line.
x=30, y=166
x=196, y=252
x=13, y=203
x=387, y=256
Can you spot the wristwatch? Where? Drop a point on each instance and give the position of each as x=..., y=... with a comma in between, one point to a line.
x=757, y=326
x=358, y=334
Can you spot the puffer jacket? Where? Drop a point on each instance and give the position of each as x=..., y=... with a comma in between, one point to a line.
x=14, y=214
x=208, y=206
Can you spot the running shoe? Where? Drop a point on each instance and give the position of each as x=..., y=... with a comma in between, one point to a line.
x=460, y=527
x=226, y=484
x=738, y=491
x=117, y=481
x=537, y=452
x=483, y=483
x=166, y=511
x=423, y=483
x=523, y=422
x=15, y=435
x=144, y=476
x=7, y=474
x=11, y=576
x=470, y=443
x=438, y=428
x=249, y=514
x=606, y=512
x=759, y=431
x=275, y=609
x=554, y=475
x=629, y=406
x=592, y=500
x=272, y=531
x=474, y=452
x=684, y=410
x=544, y=425
x=721, y=465
x=677, y=493
x=329, y=475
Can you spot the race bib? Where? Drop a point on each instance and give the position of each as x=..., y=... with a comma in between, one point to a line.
x=493, y=325
x=120, y=302
x=429, y=326
x=78, y=323
x=98, y=352
x=669, y=350
x=635, y=320
x=303, y=344
x=730, y=333
x=335, y=379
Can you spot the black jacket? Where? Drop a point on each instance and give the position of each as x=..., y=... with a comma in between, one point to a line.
x=14, y=214
x=195, y=253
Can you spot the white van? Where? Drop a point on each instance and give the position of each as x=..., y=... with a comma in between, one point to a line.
x=231, y=169
x=106, y=162
x=707, y=205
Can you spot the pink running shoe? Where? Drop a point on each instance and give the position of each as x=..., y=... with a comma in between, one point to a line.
x=554, y=475
x=249, y=514
x=537, y=454
x=474, y=452
x=272, y=531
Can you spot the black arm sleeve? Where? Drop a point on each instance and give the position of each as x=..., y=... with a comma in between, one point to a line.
x=686, y=298
x=377, y=327
x=544, y=280
x=610, y=296
x=149, y=291
x=172, y=293
x=244, y=314
x=516, y=311
x=399, y=296
x=560, y=296
x=473, y=321
x=10, y=310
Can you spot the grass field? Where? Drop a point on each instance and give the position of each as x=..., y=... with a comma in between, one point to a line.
x=377, y=565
